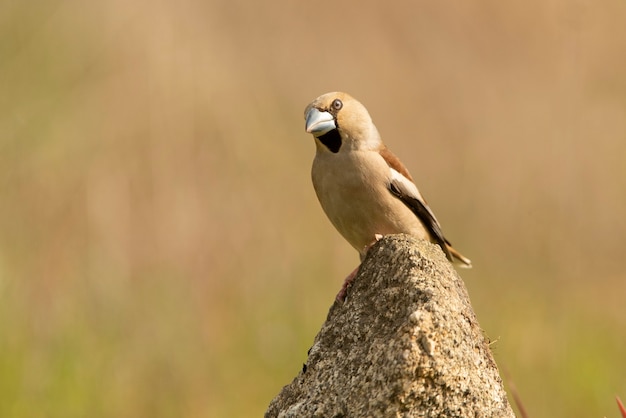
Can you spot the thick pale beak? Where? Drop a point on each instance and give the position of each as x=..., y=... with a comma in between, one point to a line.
x=318, y=123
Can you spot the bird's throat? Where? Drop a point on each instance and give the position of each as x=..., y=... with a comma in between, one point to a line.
x=331, y=140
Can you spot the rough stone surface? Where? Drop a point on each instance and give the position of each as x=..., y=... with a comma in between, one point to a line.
x=406, y=343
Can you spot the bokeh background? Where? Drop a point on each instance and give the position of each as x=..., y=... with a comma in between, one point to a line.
x=162, y=252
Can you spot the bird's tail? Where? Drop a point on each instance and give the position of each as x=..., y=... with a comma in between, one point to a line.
x=459, y=258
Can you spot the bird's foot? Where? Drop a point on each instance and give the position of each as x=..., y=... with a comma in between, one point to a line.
x=377, y=237
x=341, y=296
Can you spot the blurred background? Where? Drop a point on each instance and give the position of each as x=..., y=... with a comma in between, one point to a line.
x=162, y=252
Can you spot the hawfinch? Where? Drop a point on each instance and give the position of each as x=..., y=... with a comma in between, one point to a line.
x=364, y=189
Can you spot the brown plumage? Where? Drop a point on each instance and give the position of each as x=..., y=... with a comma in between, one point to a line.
x=362, y=186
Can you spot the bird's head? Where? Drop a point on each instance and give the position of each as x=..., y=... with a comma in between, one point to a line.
x=339, y=122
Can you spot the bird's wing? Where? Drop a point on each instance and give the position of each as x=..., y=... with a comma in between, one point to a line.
x=401, y=186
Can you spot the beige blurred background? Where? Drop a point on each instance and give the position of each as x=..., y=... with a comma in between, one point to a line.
x=162, y=252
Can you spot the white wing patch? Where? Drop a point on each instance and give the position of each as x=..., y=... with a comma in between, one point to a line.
x=407, y=187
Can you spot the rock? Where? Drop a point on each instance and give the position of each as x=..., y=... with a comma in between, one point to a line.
x=406, y=343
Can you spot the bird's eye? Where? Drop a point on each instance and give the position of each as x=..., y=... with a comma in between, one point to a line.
x=337, y=104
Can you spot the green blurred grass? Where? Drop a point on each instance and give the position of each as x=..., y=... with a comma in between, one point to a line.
x=161, y=249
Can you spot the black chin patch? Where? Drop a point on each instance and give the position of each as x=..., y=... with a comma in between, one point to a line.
x=332, y=140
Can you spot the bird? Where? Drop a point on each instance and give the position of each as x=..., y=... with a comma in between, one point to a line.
x=364, y=189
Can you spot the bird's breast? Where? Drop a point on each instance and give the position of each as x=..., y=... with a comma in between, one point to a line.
x=353, y=191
